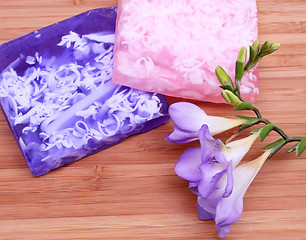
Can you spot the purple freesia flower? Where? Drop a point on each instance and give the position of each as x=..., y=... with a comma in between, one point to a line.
x=205, y=165
x=229, y=209
x=188, y=119
x=211, y=170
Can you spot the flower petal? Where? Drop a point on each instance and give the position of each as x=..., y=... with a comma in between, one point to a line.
x=187, y=116
x=230, y=181
x=220, y=153
x=187, y=165
x=193, y=186
x=229, y=209
x=179, y=136
x=203, y=214
x=219, y=124
x=245, y=173
x=205, y=135
x=208, y=143
x=211, y=175
x=239, y=148
x=209, y=204
x=223, y=231
x=188, y=119
x=211, y=147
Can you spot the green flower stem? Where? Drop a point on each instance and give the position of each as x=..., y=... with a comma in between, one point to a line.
x=275, y=128
x=258, y=114
x=280, y=132
x=231, y=95
x=294, y=139
x=256, y=54
x=250, y=65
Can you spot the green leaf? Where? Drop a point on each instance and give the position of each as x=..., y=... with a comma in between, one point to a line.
x=264, y=131
x=245, y=126
x=301, y=147
x=244, y=106
x=275, y=146
x=256, y=130
x=292, y=149
x=249, y=121
x=239, y=70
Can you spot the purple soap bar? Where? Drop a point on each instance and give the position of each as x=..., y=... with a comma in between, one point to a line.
x=58, y=97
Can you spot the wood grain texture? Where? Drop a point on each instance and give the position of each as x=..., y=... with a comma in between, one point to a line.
x=130, y=191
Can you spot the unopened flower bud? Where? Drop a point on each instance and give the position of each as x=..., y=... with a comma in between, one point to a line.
x=242, y=55
x=224, y=79
x=255, y=46
x=266, y=46
x=275, y=46
x=231, y=98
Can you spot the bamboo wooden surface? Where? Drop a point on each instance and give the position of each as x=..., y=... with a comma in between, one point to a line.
x=130, y=191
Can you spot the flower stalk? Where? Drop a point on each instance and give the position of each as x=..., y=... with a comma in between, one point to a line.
x=214, y=170
x=231, y=95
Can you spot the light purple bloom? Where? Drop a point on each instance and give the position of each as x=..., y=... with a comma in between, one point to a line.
x=205, y=165
x=211, y=170
x=229, y=209
x=188, y=119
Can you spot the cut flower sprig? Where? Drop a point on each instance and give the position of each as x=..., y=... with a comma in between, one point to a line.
x=214, y=170
x=231, y=94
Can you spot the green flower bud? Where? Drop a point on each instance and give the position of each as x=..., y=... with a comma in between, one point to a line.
x=231, y=98
x=275, y=46
x=239, y=71
x=241, y=60
x=266, y=46
x=253, y=54
x=242, y=55
x=224, y=79
x=256, y=47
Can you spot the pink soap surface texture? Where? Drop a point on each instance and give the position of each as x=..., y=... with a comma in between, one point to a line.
x=173, y=47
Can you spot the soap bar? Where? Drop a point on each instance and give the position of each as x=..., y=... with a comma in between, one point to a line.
x=173, y=47
x=58, y=97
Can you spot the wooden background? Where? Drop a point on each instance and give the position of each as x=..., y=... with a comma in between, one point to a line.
x=130, y=191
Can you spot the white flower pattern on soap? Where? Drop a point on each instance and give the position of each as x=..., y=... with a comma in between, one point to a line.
x=46, y=89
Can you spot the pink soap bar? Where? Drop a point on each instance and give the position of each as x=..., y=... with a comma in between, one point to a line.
x=173, y=47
